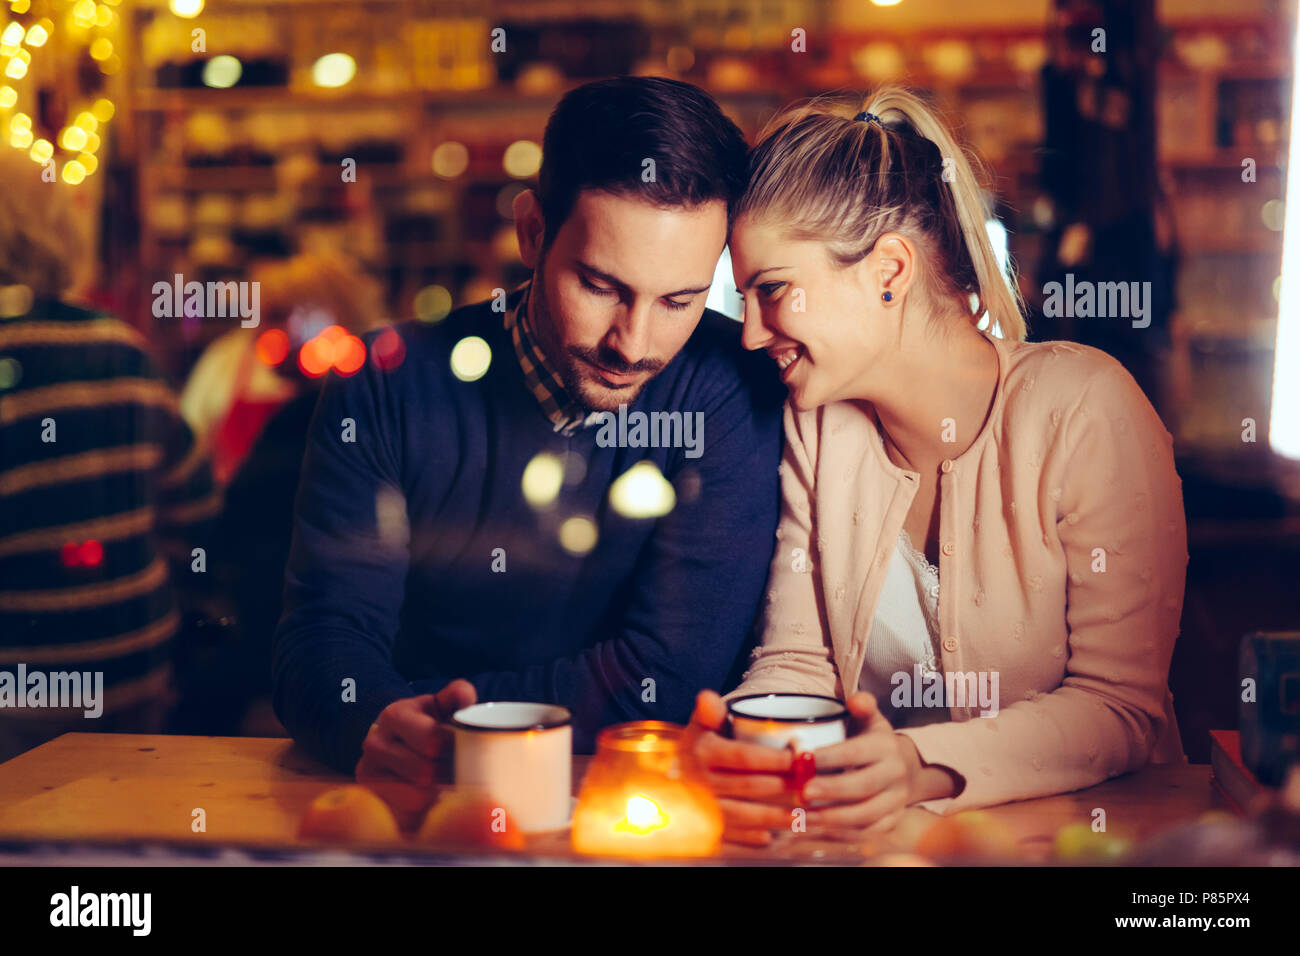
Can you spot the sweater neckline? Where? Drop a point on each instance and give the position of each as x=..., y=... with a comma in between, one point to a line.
x=995, y=411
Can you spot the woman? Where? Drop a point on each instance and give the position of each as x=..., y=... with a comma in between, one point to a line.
x=955, y=501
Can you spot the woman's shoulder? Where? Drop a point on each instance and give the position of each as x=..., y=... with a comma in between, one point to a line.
x=1067, y=383
x=1057, y=375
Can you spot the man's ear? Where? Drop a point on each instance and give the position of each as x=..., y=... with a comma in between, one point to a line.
x=529, y=227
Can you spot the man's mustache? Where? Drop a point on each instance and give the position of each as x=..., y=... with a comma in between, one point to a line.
x=610, y=360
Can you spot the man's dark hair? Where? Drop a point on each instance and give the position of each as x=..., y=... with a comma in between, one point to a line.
x=601, y=133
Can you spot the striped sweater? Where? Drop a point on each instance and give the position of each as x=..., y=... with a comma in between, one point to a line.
x=101, y=482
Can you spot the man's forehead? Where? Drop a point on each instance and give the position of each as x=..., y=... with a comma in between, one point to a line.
x=640, y=245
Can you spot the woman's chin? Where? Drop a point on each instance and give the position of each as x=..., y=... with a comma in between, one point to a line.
x=802, y=399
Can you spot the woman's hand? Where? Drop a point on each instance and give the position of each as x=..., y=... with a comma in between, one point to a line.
x=749, y=780
x=877, y=778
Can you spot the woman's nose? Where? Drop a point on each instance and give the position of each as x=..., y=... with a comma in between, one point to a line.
x=753, y=334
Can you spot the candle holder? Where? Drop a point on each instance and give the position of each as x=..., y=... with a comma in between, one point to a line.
x=645, y=796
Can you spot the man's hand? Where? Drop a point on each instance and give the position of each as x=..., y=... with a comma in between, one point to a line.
x=398, y=754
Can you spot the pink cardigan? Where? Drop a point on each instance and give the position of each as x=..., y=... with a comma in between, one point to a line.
x=1063, y=553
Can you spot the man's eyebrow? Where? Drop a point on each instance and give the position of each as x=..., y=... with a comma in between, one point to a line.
x=759, y=273
x=612, y=280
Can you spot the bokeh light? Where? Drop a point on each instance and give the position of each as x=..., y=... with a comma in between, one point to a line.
x=273, y=346
x=543, y=478
x=187, y=9
x=522, y=159
x=642, y=492
x=470, y=358
x=578, y=535
x=450, y=159
x=333, y=70
x=222, y=72
x=432, y=303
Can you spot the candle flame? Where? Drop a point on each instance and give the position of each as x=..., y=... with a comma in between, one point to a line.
x=643, y=816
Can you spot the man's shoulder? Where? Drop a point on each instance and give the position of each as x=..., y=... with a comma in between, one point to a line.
x=714, y=358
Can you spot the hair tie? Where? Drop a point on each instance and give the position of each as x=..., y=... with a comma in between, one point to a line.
x=870, y=118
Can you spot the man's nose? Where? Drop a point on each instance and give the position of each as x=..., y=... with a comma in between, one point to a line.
x=629, y=336
x=753, y=333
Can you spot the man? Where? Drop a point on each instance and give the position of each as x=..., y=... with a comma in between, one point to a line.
x=455, y=523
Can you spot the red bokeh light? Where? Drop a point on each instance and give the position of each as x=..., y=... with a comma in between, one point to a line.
x=273, y=346
x=388, y=350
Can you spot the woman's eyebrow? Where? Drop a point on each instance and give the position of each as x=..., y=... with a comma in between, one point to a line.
x=755, y=276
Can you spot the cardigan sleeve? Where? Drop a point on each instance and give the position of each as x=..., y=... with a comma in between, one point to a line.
x=795, y=654
x=1120, y=522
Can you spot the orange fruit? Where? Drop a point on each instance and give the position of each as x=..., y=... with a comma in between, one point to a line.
x=351, y=814
x=969, y=835
x=468, y=819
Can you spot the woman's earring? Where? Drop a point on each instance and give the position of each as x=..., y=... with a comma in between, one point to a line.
x=887, y=296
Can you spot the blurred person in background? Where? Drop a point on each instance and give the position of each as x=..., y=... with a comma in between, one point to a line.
x=99, y=479
x=252, y=394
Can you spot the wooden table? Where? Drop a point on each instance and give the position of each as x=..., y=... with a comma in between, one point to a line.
x=125, y=788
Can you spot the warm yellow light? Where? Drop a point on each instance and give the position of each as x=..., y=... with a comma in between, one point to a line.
x=101, y=49
x=470, y=358
x=88, y=161
x=111, y=65
x=73, y=139
x=643, y=815
x=20, y=6
x=522, y=159
x=222, y=72
x=73, y=173
x=543, y=477
x=886, y=3
x=20, y=138
x=92, y=142
x=86, y=120
x=103, y=110
x=38, y=33
x=11, y=38
x=578, y=535
x=333, y=70
x=8, y=97
x=432, y=303
x=103, y=16
x=42, y=150
x=83, y=15
x=185, y=8
x=450, y=159
x=17, y=67
x=642, y=492
x=20, y=121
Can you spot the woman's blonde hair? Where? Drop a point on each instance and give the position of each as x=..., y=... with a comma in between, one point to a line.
x=826, y=176
x=42, y=241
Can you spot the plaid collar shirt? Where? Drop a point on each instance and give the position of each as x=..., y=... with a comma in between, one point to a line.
x=565, y=414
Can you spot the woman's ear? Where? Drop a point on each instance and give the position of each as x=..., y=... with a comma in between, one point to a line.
x=529, y=227
x=895, y=266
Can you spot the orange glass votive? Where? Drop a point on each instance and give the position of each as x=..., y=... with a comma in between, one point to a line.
x=645, y=796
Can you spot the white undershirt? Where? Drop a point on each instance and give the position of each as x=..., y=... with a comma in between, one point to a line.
x=904, y=633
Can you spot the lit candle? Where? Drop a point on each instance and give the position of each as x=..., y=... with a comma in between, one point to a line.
x=644, y=796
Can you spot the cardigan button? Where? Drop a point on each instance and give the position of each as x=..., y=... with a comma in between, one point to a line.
x=950, y=644
x=948, y=549
x=946, y=466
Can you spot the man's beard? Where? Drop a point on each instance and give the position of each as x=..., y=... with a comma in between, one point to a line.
x=568, y=361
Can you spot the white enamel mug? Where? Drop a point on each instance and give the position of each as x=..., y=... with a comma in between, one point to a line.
x=520, y=756
x=806, y=721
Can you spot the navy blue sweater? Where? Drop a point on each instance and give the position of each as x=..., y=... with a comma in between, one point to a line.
x=391, y=579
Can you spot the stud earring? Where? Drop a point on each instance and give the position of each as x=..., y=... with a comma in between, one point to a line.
x=887, y=296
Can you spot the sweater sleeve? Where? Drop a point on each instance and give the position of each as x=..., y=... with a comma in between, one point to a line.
x=696, y=585
x=331, y=660
x=1121, y=524
x=795, y=655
